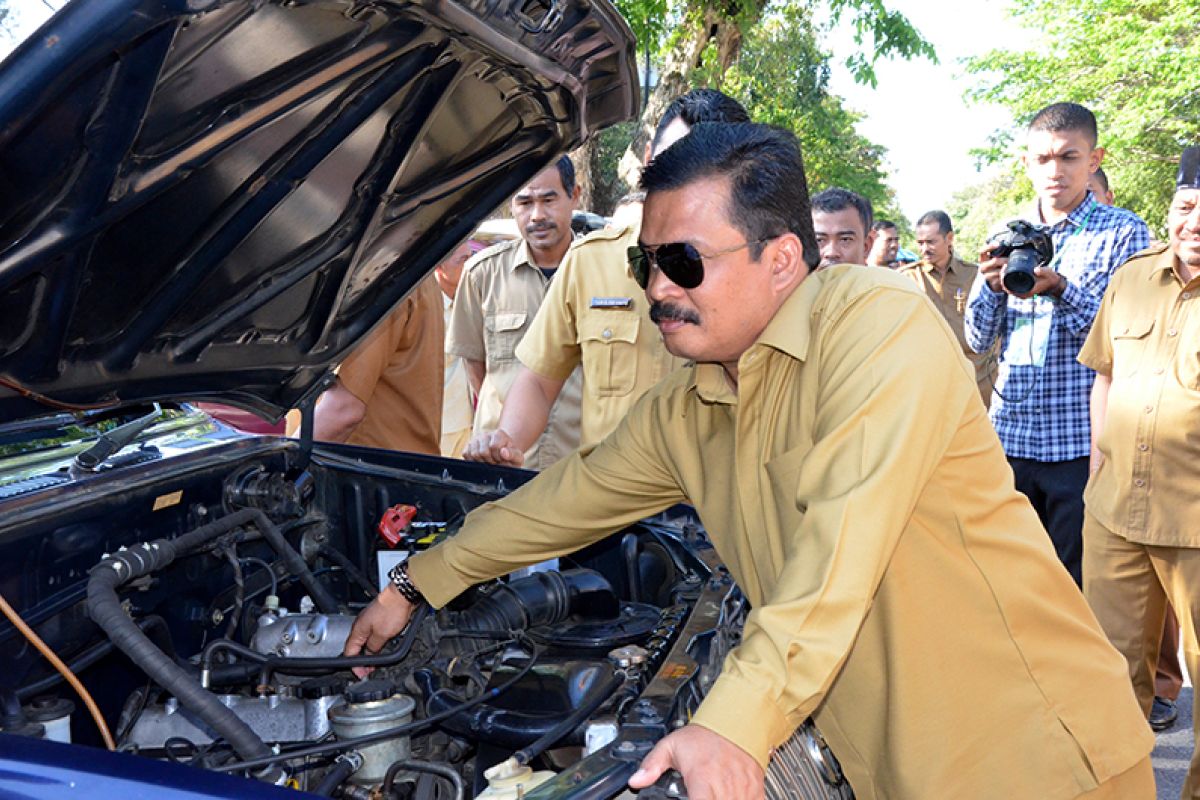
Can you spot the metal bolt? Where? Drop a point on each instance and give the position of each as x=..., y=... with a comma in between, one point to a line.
x=218, y=616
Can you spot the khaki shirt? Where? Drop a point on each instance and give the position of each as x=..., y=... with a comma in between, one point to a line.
x=596, y=315
x=458, y=409
x=397, y=374
x=949, y=295
x=904, y=593
x=1147, y=339
x=498, y=295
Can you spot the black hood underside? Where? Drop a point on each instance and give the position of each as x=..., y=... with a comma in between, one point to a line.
x=218, y=199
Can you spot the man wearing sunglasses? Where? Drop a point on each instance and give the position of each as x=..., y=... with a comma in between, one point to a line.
x=923, y=624
x=594, y=315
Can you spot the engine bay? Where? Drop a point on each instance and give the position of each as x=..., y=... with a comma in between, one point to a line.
x=210, y=633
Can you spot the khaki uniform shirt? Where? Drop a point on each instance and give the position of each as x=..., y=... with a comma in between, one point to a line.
x=1147, y=338
x=498, y=295
x=397, y=374
x=904, y=592
x=949, y=295
x=596, y=315
x=458, y=410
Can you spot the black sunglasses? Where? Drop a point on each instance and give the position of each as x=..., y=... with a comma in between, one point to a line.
x=682, y=263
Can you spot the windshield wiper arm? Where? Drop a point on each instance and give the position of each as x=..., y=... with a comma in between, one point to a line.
x=113, y=441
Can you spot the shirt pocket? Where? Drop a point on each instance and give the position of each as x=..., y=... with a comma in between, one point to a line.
x=608, y=344
x=1187, y=363
x=1129, y=344
x=502, y=334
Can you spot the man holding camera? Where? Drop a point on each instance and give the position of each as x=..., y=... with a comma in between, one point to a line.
x=1042, y=317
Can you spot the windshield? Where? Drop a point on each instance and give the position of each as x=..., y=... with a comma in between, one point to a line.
x=20, y=18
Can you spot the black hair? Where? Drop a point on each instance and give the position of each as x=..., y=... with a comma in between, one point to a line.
x=566, y=174
x=697, y=106
x=1102, y=176
x=940, y=217
x=838, y=199
x=883, y=224
x=768, y=192
x=1058, y=117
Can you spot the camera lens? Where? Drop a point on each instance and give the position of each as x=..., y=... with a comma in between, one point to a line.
x=1018, y=276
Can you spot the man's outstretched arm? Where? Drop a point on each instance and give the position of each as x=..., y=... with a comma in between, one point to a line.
x=522, y=420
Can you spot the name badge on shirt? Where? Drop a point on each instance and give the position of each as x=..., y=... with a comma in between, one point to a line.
x=611, y=302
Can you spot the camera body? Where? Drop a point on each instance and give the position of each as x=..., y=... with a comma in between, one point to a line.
x=1026, y=246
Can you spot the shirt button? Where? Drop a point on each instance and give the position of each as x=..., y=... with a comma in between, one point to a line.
x=1143, y=447
x=1187, y=295
x=1172, y=332
x=1139, y=482
x=1159, y=371
x=607, y=334
x=1149, y=409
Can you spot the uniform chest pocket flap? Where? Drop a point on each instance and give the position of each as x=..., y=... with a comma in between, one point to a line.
x=1130, y=342
x=608, y=339
x=504, y=332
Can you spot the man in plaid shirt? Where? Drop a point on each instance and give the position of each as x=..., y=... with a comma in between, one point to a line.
x=1040, y=404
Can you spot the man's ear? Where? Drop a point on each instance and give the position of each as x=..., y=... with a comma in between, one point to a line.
x=950, y=240
x=786, y=255
x=1096, y=159
x=872, y=234
x=575, y=195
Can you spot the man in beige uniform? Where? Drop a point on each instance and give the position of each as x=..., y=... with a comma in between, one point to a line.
x=499, y=295
x=458, y=406
x=1141, y=531
x=946, y=280
x=596, y=316
x=389, y=390
x=923, y=621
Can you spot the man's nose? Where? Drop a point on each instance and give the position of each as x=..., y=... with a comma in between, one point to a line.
x=659, y=286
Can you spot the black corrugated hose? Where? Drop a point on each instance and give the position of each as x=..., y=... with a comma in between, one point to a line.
x=104, y=607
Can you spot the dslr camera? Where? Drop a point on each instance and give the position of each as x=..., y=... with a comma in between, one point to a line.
x=1026, y=246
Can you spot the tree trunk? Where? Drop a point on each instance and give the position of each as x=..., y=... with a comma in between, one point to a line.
x=584, y=159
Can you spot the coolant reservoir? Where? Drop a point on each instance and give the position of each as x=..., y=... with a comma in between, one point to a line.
x=509, y=780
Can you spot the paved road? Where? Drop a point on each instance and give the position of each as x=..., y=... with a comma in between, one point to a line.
x=1174, y=750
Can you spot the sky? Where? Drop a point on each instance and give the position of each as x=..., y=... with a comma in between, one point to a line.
x=917, y=111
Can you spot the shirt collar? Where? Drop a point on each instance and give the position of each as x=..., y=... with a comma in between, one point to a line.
x=954, y=266
x=789, y=332
x=1075, y=219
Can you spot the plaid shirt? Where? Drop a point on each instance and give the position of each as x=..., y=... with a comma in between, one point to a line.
x=1043, y=414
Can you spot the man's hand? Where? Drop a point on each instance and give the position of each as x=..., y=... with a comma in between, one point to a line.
x=991, y=269
x=385, y=617
x=494, y=447
x=713, y=767
x=1046, y=281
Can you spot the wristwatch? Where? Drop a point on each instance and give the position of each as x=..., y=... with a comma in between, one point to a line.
x=398, y=575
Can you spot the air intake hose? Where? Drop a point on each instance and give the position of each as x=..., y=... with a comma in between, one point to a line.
x=542, y=598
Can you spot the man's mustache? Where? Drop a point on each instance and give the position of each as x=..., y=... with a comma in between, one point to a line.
x=535, y=227
x=662, y=312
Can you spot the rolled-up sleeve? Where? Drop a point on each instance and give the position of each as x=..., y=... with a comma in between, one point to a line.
x=885, y=416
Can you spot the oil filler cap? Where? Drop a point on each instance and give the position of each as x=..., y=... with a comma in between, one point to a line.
x=370, y=691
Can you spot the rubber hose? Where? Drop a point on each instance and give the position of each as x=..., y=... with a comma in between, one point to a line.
x=293, y=560
x=342, y=770
x=542, y=598
x=104, y=607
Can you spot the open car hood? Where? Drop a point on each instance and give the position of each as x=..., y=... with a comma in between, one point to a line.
x=218, y=198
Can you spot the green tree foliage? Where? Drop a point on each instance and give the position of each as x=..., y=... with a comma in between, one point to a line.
x=1131, y=61
x=979, y=210
x=781, y=75
x=709, y=35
